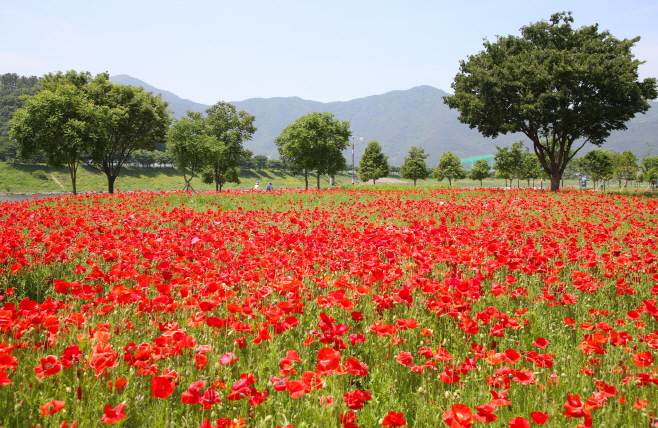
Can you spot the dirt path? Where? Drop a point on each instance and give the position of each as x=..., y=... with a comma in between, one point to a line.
x=57, y=181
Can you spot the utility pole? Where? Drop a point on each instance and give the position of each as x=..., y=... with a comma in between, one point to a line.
x=352, y=160
x=360, y=142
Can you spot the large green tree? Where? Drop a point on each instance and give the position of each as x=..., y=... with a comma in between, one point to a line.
x=450, y=167
x=189, y=145
x=315, y=141
x=61, y=123
x=374, y=163
x=561, y=87
x=231, y=128
x=122, y=119
x=414, y=166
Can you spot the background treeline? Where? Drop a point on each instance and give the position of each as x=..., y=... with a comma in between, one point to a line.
x=69, y=119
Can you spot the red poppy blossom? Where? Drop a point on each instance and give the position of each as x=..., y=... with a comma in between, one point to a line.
x=519, y=422
x=539, y=418
x=113, y=415
x=393, y=419
x=51, y=407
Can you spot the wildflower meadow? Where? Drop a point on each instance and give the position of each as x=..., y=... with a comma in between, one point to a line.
x=339, y=308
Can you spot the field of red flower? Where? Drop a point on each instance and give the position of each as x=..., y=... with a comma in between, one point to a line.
x=339, y=308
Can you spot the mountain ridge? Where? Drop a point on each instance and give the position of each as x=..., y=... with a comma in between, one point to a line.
x=397, y=119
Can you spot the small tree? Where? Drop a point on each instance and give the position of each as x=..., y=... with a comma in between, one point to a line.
x=480, y=171
x=624, y=166
x=231, y=128
x=509, y=160
x=597, y=164
x=414, y=167
x=314, y=141
x=505, y=176
x=530, y=168
x=450, y=167
x=260, y=161
x=374, y=163
x=190, y=146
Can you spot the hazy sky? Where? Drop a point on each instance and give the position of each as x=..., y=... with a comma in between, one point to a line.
x=209, y=51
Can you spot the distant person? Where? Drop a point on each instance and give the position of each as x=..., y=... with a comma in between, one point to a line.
x=270, y=187
x=256, y=187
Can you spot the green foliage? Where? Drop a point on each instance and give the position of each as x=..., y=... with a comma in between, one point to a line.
x=260, y=161
x=189, y=145
x=624, y=166
x=598, y=165
x=480, y=171
x=12, y=87
x=414, y=167
x=130, y=119
x=40, y=175
x=315, y=141
x=374, y=163
x=113, y=122
x=509, y=160
x=554, y=84
x=530, y=167
x=450, y=167
x=60, y=121
x=231, y=128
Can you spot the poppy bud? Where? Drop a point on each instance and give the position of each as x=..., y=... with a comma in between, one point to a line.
x=268, y=418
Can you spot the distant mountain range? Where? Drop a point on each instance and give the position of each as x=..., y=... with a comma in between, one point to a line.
x=397, y=119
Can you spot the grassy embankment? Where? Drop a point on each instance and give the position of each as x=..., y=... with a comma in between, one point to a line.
x=19, y=178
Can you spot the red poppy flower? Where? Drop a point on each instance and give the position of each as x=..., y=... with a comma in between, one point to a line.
x=329, y=360
x=393, y=419
x=539, y=418
x=162, y=387
x=355, y=399
x=643, y=359
x=113, y=416
x=519, y=422
x=540, y=343
x=49, y=366
x=458, y=416
x=51, y=407
x=485, y=413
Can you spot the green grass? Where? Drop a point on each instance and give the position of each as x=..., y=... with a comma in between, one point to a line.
x=18, y=178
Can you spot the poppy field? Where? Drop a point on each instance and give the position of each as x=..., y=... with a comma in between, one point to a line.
x=459, y=308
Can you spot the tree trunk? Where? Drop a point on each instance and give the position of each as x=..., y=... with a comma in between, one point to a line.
x=306, y=177
x=317, y=177
x=555, y=182
x=414, y=182
x=449, y=183
x=216, y=186
x=110, y=183
x=73, y=169
x=373, y=181
x=480, y=183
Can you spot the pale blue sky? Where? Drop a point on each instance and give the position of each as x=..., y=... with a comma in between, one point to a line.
x=209, y=51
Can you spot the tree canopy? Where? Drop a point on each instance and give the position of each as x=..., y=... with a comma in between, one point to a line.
x=374, y=163
x=59, y=122
x=315, y=141
x=117, y=120
x=189, y=145
x=414, y=167
x=558, y=85
x=450, y=167
x=231, y=128
x=480, y=171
